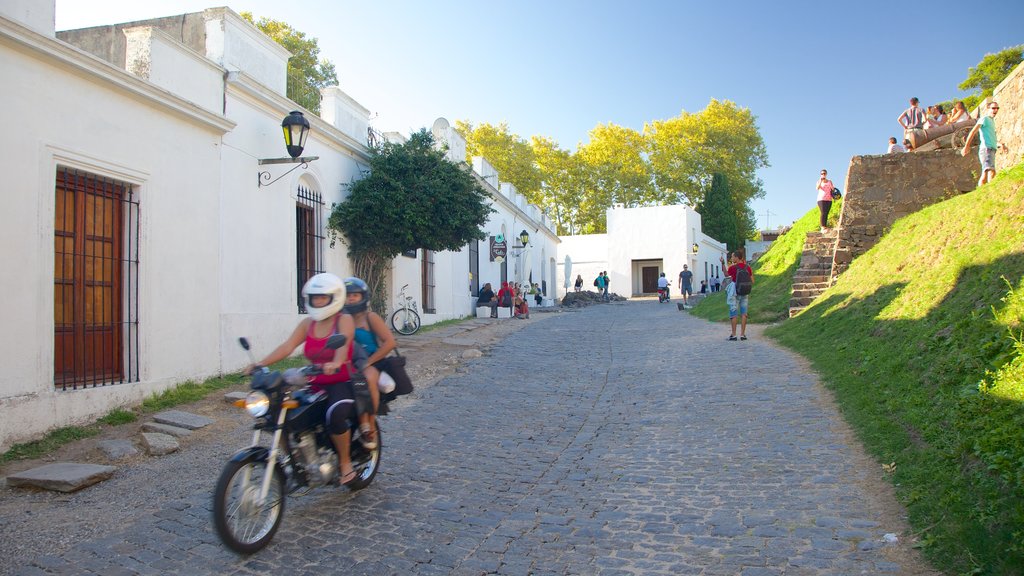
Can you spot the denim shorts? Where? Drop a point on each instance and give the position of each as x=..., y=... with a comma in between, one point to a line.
x=739, y=307
x=988, y=158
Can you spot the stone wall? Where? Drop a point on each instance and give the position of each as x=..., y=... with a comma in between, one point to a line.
x=881, y=189
x=1010, y=119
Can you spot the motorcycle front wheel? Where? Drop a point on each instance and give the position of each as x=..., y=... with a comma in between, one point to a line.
x=405, y=321
x=242, y=524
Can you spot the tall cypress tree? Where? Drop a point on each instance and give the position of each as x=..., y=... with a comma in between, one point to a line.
x=718, y=214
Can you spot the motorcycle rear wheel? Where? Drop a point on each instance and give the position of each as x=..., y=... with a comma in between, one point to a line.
x=240, y=525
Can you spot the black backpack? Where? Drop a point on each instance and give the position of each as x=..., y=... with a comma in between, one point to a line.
x=743, y=281
x=596, y=283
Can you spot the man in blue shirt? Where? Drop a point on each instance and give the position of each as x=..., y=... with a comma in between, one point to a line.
x=986, y=127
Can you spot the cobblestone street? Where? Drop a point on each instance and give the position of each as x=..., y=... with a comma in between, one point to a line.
x=628, y=438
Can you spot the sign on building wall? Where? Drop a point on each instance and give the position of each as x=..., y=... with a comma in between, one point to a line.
x=499, y=248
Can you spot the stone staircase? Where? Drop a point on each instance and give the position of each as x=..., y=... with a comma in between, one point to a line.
x=814, y=275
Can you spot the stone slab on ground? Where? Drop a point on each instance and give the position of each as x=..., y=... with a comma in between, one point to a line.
x=461, y=341
x=182, y=419
x=117, y=449
x=165, y=429
x=158, y=444
x=62, y=476
x=232, y=396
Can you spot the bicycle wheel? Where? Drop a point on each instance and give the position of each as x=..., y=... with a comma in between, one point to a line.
x=405, y=321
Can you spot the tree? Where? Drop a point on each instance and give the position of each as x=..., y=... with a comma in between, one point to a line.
x=412, y=198
x=686, y=151
x=307, y=72
x=564, y=184
x=718, y=213
x=510, y=155
x=993, y=69
x=616, y=158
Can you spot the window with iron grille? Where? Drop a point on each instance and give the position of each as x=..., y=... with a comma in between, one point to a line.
x=95, y=281
x=428, y=281
x=309, y=239
x=474, y=267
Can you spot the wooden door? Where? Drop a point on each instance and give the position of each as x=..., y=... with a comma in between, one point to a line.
x=87, y=280
x=649, y=279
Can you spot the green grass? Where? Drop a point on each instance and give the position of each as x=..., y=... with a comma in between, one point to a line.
x=921, y=342
x=443, y=323
x=182, y=394
x=773, y=275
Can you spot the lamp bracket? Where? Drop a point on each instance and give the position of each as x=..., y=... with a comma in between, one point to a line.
x=263, y=178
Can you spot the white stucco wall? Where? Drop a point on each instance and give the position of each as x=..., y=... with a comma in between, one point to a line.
x=112, y=125
x=237, y=45
x=155, y=56
x=37, y=15
x=661, y=236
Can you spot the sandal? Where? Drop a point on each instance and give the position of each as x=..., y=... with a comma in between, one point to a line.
x=732, y=338
x=348, y=478
x=368, y=437
x=743, y=337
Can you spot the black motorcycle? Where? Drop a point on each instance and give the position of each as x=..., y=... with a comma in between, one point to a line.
x=248, y=502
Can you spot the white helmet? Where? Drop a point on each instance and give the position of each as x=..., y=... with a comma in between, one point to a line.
x=325, y=284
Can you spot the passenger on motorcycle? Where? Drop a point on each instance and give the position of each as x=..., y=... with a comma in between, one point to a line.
x=375, y=338
x=325, y=297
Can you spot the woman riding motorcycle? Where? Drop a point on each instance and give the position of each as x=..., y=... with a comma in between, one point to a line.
x=325, y=298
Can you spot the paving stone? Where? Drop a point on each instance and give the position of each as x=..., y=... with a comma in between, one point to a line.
x=62, y=476
x=181, y=419
x=175, y=431
x=117, y=449
x=158, y=444
x=230, y=397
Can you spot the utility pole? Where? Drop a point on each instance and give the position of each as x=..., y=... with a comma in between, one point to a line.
x=767, y=218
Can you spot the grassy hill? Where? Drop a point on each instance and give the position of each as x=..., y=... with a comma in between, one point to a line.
x=773, y=275
x=922, y=343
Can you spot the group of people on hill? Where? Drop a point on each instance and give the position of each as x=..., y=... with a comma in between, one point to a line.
x=915, y=117
x=512, y=295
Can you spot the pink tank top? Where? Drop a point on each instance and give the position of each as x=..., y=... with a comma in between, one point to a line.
x=317, y=352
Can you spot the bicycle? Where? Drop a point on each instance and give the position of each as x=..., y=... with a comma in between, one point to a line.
x=405, y=319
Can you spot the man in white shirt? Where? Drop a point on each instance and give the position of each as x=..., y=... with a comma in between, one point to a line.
x=663, y=284
x=894, y=147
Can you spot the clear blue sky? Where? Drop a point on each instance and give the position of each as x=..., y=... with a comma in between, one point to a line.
x=826, y=80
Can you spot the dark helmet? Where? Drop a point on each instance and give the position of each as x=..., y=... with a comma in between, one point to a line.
x=354, y=285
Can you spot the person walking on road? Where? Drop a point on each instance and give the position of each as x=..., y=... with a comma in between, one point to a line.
x=686, y=284
x=605, y=283
x=739, y=274
x=986, y=128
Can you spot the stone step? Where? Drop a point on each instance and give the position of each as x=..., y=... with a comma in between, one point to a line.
x=803, y=301
x=810, y=278
x=794, y=310
x=808, y=293
x=822, y=286
x=62, y=476
x=181, y=419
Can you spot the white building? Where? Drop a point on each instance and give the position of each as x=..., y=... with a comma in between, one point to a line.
x=641, y=243
x=139, y=235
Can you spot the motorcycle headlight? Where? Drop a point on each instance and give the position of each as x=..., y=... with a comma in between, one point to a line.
x=257, y=403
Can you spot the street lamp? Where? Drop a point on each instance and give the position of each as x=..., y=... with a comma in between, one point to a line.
x=524, y=241
x=296, y=129
x=696, y=247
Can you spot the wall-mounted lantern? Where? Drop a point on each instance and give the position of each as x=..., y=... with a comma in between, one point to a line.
x=295, y=128
x=695, y=247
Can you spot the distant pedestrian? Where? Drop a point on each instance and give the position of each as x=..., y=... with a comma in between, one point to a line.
x=599, y=282
x=703, y=287
x=913, y=117
x=894, y=147
x=686, y=284
x=718, y=283
x=986, y=128
x=825, y=188
x=607, y=281
x=579, y=282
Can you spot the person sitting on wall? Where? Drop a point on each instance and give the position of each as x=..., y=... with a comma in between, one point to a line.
x=960, y=115
x=894, y=147
x=505, y=296
x=537, y=296
x=487, y=298
x=522, y=309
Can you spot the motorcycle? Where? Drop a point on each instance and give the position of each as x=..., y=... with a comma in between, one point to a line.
x=663, y=295
x=248, y=501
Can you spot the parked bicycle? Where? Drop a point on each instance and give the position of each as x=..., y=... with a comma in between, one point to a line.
x=405, y=319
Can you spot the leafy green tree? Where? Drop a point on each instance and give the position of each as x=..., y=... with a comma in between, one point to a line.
x=564, y=184
x=510, y=155
x=993, y=69
x=718, y=213
x=307, y=72
x=616, y=159
x=412, y=198
x=686, y=151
